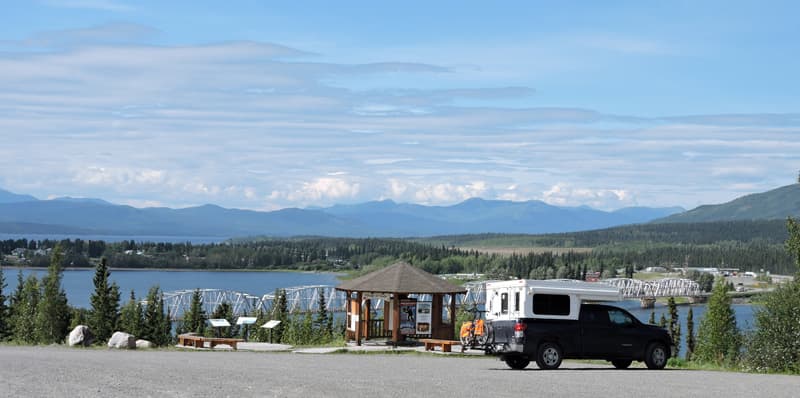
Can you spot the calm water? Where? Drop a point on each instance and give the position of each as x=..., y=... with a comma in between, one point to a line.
x=744, y=316
x=119, y=238
x=79, y=286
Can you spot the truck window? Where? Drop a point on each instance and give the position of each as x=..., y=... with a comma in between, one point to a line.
x=619, y=318
x=551, y=304
x=504, y=303
x=516, y=301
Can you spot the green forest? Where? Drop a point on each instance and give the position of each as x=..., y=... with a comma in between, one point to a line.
x=748, y=246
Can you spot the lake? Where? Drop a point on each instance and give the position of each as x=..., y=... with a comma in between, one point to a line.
x=78, y=284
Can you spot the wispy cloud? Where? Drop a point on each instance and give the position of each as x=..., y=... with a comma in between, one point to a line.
x=105, y=5
x=262, y=125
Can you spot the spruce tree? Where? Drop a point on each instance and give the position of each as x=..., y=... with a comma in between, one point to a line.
x=4, y=313
x=194, y=319
x=652, y=319
x=663, y=321
x=323, y=323
x=131, y=317
x=718, y=338
x=280, y=312
x=53, y=312
x=105, y=303
x=25, y=310
x=690, y=340
x=156, y=324
x=154, y=328
x=674, y=325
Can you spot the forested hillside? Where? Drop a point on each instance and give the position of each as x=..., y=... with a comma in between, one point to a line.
x=759, y=245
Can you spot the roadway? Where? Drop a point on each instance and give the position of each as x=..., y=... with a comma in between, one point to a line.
x=60, y=371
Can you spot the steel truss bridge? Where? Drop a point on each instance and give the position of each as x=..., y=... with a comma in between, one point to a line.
x=303, y=299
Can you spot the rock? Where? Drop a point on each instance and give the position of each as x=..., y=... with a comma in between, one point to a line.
x=122, y=340
x=143, y=344
x=81, y=335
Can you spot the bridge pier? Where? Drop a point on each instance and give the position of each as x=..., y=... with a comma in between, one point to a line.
x=697, y=299
x=647, y=302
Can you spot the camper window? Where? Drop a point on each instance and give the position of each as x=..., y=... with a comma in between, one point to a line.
x=516, y=301
x=551, y=304
x=504, y=303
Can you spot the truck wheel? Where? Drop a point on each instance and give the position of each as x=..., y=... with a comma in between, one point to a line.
x=656, y=356
x=621, y=363
x=549, y=356
x=517, y=363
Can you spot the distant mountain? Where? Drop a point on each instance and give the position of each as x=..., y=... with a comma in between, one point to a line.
x=10, y=197
x=775, y=204
x=481, y=216
x=378, y=219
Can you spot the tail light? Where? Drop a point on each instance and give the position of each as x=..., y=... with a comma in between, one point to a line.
x=520, y=327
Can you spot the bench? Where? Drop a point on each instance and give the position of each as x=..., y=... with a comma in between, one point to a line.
x=190, y=340
x=445, y=345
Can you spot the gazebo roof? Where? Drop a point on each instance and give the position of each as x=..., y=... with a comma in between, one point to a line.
x=401, y=278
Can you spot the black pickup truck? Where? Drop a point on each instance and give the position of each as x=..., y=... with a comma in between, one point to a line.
x=600, y=332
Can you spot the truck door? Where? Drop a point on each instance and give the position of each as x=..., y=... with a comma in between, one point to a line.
x=624, y=330
x=595, y=333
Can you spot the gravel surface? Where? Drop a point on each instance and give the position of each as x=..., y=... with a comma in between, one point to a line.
x=60, y=371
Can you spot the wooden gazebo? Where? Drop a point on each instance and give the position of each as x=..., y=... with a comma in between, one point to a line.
x=405, y=291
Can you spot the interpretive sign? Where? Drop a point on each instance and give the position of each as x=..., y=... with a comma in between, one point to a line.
x=408, y=316
x=424, y=317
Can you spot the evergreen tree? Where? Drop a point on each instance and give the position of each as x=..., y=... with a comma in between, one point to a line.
x=663, y=321
x=194, y=319
x=718, y=338
x=280, y=312
x=323, y=323
x=690, y=341
x=105, y=304
x=774, y=346
x=25, y=309
x=52, y=317
x=652, y=319
x=4, y=313
x=131, y=317
x=155, y=321
x=674, y=325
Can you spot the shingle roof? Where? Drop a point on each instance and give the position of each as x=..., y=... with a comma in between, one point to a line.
x=401, y=278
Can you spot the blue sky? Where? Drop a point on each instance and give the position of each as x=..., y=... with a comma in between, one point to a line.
x=267, y=105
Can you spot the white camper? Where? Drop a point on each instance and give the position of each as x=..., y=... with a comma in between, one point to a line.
x=544, y=299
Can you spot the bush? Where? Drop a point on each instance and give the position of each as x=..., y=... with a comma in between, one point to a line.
x=774, y=346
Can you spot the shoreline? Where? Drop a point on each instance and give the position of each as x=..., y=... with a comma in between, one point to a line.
x=339, y=274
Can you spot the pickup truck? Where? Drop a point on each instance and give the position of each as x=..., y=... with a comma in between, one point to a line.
x=547, y=321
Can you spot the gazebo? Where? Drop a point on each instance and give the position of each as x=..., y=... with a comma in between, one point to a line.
x=414, y=303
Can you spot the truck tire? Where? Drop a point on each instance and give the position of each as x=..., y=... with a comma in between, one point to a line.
x=655, y=356
x=549, y=356
x=621, y=363
x=517, y=363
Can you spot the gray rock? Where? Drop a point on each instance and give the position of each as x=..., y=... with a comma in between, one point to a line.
x=122, y=340
x=143, y=344
x=81, y=335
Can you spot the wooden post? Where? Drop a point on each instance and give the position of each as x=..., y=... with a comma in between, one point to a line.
x=358, y=324
x=396, y=319
x=436, y=318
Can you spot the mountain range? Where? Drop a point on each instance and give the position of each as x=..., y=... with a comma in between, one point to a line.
x=20, y=214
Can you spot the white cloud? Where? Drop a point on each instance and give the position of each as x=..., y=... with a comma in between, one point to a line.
x=449, y=193
x=563, y=194
x=325, y=189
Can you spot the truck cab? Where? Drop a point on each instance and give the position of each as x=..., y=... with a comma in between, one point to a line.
x=547, y=321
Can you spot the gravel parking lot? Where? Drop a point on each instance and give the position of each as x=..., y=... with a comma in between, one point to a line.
x=60, y=371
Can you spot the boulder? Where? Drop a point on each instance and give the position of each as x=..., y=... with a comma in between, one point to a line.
x=122, y=340
x=143, y=344
x=81, y=335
